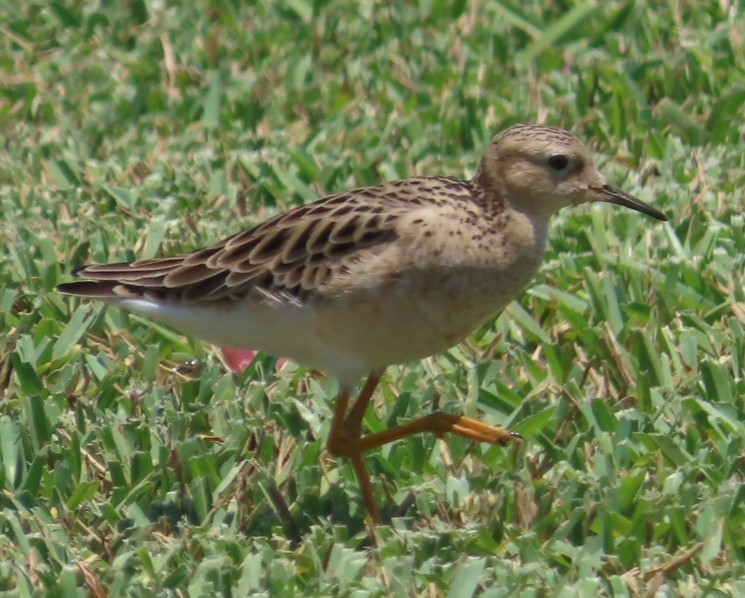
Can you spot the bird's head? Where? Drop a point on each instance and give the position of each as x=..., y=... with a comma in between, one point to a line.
x=540, y=169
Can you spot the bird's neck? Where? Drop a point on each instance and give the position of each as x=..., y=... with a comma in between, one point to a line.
x=488, y=192
x=493, y=197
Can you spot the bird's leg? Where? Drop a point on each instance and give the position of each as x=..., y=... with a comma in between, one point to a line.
x=345, y=433
x=346, y=440
x=353, y=419
x=439, y=423
x=346, y=425
x=363, y=478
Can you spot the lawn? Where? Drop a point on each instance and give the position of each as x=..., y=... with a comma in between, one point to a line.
x=133, y=462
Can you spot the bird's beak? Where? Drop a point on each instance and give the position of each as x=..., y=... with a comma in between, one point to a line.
x=613, y=195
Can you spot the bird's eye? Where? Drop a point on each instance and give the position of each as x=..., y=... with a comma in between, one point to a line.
x=558, y=162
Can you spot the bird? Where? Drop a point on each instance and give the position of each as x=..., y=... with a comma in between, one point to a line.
x=388, y=274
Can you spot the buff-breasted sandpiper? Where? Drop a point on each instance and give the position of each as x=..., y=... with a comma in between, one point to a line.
x=354, y=282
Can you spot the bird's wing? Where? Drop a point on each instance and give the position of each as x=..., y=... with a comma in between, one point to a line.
x=289, y=257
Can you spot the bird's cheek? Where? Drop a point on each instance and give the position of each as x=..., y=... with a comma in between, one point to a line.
x=583, y=196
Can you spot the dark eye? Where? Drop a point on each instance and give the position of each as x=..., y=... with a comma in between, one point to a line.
x=558, y=162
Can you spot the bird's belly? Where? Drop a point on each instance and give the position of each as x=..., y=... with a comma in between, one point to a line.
x=400, y=331
x=411, y=319
x=356, y=332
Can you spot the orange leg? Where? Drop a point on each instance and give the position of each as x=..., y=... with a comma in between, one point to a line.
x=346, y=440
x=438, y=423
x=363, y=477
x=345, y=434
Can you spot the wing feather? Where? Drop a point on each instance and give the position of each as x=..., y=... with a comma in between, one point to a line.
x=291, y=256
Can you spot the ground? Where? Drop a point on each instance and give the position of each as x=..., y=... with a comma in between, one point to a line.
x=132, y=461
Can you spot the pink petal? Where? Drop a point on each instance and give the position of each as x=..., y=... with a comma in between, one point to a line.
x=239, y=359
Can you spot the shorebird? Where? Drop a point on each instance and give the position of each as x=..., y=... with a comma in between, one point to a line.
x=354, y=282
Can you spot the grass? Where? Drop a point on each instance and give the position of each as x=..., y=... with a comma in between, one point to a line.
x=132, y=462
